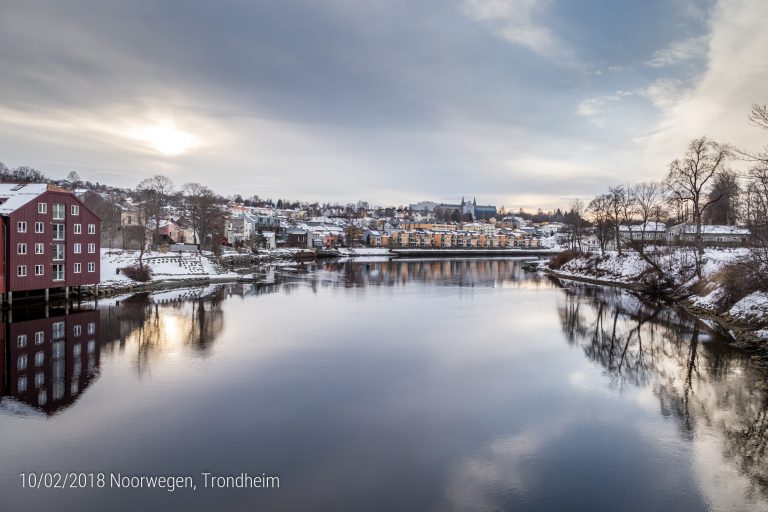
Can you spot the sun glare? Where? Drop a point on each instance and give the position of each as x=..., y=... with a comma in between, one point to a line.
x=167, y=140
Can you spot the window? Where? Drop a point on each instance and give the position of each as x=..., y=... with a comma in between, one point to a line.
x=39, y=227
x=78, y=268
x=21, y=340
x=78, y=229
x=21, y=362
x=39, y=248
x=58, y=272
x=39, y=358
x=91, y=343
x=21, y=248
x=21, y=386
x=39, y=379
x=75, y=210
x=58, y=252
x=91, y=266
x=77, y=330
x=39, y=271
x=76, y=350
x=58, y=211
x=77, y=248
x=58, y=231
x=91, y=327
x=91, y=248
x=21, y=271
x=42, y=207
x=21, y=226
x=58, y=330
x=39, y=337
x=91, y=229
x=42, y=397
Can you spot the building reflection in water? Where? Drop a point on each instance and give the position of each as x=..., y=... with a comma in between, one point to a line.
x=715, y=394
x=445, y=272
x=50, y=360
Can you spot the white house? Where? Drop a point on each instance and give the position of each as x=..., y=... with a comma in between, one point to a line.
x=731, y=235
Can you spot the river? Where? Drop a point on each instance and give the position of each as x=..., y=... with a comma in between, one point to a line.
x=464, y=385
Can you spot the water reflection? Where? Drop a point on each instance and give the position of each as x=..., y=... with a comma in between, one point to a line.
x=51, y=361
x=445, y=272
x=162, y=322
x=714, y=393
x=429, y=385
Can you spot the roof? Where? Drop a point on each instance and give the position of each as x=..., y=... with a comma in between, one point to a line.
x=716, y=230
x=14, y=195
x=649, y=226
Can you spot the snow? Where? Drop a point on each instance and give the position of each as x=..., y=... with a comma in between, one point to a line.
x=753, y=307
x=164, y=266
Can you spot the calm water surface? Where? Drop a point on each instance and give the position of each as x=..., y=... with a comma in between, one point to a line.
x=398, y=386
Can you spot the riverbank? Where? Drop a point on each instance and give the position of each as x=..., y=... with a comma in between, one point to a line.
x=741, y=313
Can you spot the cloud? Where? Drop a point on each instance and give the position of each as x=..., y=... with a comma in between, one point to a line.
x=679, y=51
x=718, y=101
x=595, y=108
x=514, y=20
x=664, y=92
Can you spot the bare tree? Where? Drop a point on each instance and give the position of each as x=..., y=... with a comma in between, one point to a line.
x=689, y=177
x=647, y=198
x=155, y=193
x=598, y=210
x=203, y=214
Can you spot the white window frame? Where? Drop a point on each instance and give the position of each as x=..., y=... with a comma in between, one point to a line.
x=39, y=358
x=59, y=232
x=55, y=251
x=58, y=330
x=91, y=229
x=21, y=226
x=91, y=248
x=74, y=210
x=39, y=270
x=77, y=248
x=58, y=271
x=59, y=211
x=21, y=248
x=91, y=266
x=21, y=362
x=78, y=267
x=21, y=341
x=21, y=271
x=39, y=337
x=42, y=208
x=39, y=227
x=39, y=248
x=77, y=330
x=78, y=229
x=91, y=327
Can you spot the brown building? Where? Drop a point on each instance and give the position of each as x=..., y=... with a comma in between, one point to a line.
x=50, y=239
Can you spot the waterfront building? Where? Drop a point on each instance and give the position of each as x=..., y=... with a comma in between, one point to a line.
x=51, y=240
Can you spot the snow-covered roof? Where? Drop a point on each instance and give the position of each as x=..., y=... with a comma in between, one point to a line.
x=14, y=195
x=716, y=230
x=649, y=226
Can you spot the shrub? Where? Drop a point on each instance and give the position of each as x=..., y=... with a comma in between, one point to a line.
x=138, y=273
x=737, y=281
x=555, y=262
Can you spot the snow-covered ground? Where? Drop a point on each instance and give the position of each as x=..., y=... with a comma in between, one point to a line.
x=164, y=266
x=706, y=293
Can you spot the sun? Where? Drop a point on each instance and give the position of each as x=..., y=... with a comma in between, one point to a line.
x=166, y=139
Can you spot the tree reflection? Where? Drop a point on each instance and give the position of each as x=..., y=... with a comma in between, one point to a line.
x=714, y=393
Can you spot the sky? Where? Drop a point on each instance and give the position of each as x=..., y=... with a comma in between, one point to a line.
x=522, y=103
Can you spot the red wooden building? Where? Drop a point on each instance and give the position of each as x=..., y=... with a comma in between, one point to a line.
x=50, y=240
